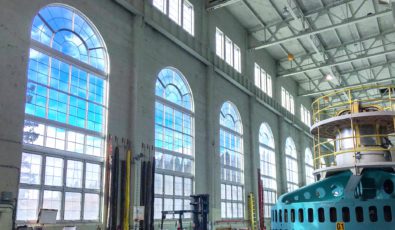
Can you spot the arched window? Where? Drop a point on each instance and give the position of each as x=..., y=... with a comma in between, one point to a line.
x=232, y=162
x=174, y=142
x=308, y=158
x=268, y=167
x=291, y=162
x=65, y=111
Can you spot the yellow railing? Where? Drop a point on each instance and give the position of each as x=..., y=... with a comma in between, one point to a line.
x=324, y=107
x=347, y=100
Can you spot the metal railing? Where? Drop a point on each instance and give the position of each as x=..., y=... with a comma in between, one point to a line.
x=332, y=105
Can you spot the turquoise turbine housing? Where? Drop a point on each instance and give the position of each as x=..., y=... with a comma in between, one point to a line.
x=341, y=201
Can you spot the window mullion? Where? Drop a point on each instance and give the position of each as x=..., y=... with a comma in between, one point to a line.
x=83, y=191
x=64, y=187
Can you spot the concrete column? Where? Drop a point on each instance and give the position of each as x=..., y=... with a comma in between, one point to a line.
x=14, y=56
x=253, y=158
x=212, y=157
x=280, y=156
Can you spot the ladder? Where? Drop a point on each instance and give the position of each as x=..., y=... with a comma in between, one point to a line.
x=252, y=211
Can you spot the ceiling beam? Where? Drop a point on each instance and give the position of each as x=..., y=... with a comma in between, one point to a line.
x=346, y=22
x=307, y=14
x=313, y=93
x=344, y=45
x=325, y=65
x=355, y=71
x=302, y=23
x=216, y=4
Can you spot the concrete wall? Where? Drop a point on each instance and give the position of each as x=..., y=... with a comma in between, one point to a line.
x=137, y=53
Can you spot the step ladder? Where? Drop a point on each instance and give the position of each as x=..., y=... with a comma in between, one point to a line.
x=252, y=211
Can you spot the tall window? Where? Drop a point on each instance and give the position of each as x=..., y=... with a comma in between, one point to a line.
x=174, y=142
x=263, y=80
x=305, y=115
x=65, y=111
x=287, y=101
x=268, y=167
x=308, y=157
x=232, y=162
x=227, y=50
x=179, y=11
x=291, y=162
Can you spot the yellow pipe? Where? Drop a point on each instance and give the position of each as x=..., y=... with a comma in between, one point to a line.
x=126, y=206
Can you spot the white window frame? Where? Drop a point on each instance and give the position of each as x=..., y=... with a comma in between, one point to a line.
x=189, y=28
x=160, y=5
x=61, y=151
x=287, y=101
x=309, y=168
x=228, y=200
x=175, y=16
x=174, y=174
x=291, y=165
x=228, y=51
x=263, y=80
x=305, y=115
x=219, y=43
x=179, y=17
x=269, y=85
x=237, y=58
x=270, y=192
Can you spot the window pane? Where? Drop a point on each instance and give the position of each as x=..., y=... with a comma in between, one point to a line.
x=175, y=11
x=263, y=80
x=219, y=43
x=228, y=51
x=188, y=17
x=160, y=4
x=33, y=133
x=269, y=85
x=91, y=206
x=237, y=58
x=27, y=204
x=74, y=174
x=31, y=169
x=92, y=176
x=169, y=185
x=158, y=183
x=158, y=208
x=53, y=171
x=178, y=186
x=257, y=74
x=53, y=200
x=72, y=206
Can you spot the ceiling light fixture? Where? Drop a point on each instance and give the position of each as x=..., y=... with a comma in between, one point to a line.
x=329, y=77
x=384, y=2
x=285, y=11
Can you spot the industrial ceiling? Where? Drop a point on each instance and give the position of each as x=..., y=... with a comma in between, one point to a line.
x=324, y=45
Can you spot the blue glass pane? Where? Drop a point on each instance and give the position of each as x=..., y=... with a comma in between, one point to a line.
x=230, y=117
x=159, y=113
x=73, y=35
x=175, y=88
x=97, y=58
x=38, y=67
x=78, y=82
x=40, y=32
x=36, y=100
x=57, y=17
x=172, y=94
x=70, y=44
x=96, y=89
